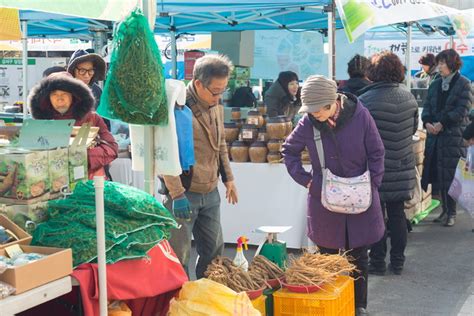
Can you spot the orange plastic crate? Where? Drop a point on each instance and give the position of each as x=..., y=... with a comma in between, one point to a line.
x=259, y=304
x=335, y=299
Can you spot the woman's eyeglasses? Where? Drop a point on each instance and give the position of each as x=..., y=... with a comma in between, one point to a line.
x=83, y=71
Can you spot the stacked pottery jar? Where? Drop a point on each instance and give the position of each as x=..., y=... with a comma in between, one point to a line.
x=277, y=130
x=256, y=137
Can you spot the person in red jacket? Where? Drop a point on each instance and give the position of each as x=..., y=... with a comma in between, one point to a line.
x=59, y=97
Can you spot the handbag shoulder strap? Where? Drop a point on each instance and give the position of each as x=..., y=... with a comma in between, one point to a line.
x=319, y=147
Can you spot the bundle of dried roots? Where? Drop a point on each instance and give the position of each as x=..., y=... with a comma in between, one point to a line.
x=316, y=269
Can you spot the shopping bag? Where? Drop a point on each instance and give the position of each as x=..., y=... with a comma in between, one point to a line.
x=462, y=187
x=206, y=297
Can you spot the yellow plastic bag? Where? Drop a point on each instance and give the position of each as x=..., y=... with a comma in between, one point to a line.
x=118, y=308
x=206, y=297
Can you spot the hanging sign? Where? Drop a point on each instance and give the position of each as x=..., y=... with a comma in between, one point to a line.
x=360, y=15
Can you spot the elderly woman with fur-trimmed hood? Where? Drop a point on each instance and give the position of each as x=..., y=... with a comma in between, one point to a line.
x=61, y=97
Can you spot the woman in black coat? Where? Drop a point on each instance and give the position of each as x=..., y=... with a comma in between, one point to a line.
x=282, y=98
x=445, y=116
x=395, y=112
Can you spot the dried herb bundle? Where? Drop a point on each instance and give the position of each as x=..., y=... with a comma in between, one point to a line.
x=134, y=91
x=316, y=269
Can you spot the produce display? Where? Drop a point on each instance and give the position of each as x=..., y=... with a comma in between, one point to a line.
x=260, y=265
x=316, y=269
x=223, y=271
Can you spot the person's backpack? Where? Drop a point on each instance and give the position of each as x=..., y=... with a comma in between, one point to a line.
x=243, y=97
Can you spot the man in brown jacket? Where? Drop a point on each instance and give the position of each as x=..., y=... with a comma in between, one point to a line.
x=197, y=208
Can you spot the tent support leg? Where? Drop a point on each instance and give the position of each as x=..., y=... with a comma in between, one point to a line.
x=24, y=41
x=174, y=57
x=408, y=55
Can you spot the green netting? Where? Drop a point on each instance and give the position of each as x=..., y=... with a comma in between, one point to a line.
x=134, y=222
x=134, y=90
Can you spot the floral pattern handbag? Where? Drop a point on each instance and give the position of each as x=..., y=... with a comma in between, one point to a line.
x=343, y=195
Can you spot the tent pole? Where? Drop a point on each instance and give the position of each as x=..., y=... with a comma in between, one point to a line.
x=451, y=42
x=331, y=34
x=100, y=229
x=24, y=41
x=174, y=57
x=330, y=46
x=408, y=55
x=149, y=11
x=333, y=39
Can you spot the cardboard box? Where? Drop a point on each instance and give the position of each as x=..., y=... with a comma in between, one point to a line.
x=419, y=158
x=427, y=193
x=24, y=176
x=58, y=170
x=21, y=213
x=425, y=204
x=56, y=265
x=24, y=237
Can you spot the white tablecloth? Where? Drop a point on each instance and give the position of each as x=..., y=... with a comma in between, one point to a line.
x=268, y=196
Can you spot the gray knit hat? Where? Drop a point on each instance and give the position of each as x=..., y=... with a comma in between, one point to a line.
x=317, y=92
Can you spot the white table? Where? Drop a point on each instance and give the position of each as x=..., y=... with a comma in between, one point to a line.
x=268, y=196
x=18, y=303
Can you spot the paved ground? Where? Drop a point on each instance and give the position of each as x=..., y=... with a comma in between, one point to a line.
x=438, y=278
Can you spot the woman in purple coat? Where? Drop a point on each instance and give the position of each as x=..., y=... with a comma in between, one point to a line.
x=351, y=143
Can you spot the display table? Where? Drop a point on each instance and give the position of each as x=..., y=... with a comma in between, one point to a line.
x=268, y=196
x=18, y=303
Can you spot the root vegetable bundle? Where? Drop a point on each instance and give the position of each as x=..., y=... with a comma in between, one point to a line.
x=223, y=271
x=315, y=269
x=261, y=266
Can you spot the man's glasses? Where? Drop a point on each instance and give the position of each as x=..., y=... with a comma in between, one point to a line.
x=215, y=94
x=83, y=71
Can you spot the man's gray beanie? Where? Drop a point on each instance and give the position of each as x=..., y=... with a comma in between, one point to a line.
x=317, y=92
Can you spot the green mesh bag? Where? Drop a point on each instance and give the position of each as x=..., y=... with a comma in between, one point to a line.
x=134, y=90
x=134, y=223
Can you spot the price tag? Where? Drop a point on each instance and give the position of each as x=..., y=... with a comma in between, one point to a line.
x=247, y=134
x=79, y=173
x=13, y=251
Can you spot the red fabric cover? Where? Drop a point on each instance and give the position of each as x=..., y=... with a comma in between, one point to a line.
x=146, y=285
x=132, y=279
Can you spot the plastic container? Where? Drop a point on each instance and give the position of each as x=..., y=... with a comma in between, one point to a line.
x=255, y=294
x=276, y=127
x=255, y=118
x=336, y=299
x=231, y=132
x=239, y=151
x=235, y=112
x=259, y=304
x=258, y=152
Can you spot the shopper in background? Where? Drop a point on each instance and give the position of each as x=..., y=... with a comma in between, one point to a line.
x=445, y=116
x=428, y=71
x=53, y=69
x=61, y=97
x=351, y=145
x=282, y=98
x=194, y=199
x=395, y=112
x=357, y=70
x=89, y=68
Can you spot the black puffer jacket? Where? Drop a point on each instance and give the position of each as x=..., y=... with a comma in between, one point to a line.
x=443, y=151
x=395, y=112
x=278, y=102
x=355, y=85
